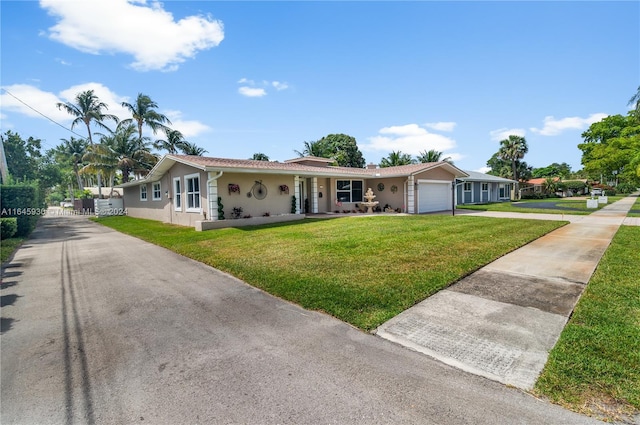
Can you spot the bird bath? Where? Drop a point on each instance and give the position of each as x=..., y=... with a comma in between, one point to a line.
x=370, y=203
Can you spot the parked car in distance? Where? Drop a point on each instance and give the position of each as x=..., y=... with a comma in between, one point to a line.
x=596, y=191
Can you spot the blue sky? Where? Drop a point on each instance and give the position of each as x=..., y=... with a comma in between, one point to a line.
x=239, y=78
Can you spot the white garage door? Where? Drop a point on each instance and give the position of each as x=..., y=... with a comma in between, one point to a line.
x=434, y=197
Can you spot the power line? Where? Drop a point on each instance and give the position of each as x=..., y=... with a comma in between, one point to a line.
x=40, y=113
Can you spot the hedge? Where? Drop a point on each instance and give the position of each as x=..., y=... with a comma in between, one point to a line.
x=8, y=227
x=23, y=202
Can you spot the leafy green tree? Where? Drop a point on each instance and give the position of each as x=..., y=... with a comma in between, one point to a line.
x=143, y=112
x=554, y=170
x=22, y=156
x=611, y=149
x=173, y=142
x=342, y=148
x=432, y=156
x=550, y=185
x=260, y=157
x=395, y=159
x=188, y=148
x=71, y=152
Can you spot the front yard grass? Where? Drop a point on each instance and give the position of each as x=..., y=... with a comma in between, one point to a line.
x=555, y=206
x=8, y=246
x=595, y=366
x=362, y=270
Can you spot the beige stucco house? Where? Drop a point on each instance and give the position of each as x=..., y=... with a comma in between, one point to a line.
x=199, y=191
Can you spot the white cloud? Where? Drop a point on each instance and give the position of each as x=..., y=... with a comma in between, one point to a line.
x=504, y=133
x=146, y=31
x=553, y=126
x=441, y=126
x=250, y=88
x=280, y=86
x=483, y=170
x=186, y=127
x=252, y=91
x=411, y=139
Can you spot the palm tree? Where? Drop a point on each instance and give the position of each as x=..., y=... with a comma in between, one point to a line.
x=72, y=151
x=635, y=101
x=88, y=109
x=432, y=156
x=143, y=112
x=100, y=160
x=131, y=154
x=175, y=140
x=550, y=185
x=395, y=159
x=314, y=149
x=260, y=157
x=513, y=149
x=188, y=148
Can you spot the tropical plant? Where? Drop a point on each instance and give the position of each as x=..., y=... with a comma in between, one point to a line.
x=395, y=159
x=188, y=148
x=635, y=102
x=132, y=154
x=513, y=149
x=550, y=185
x=143, y=112
x=432, y=156
x=173, y=143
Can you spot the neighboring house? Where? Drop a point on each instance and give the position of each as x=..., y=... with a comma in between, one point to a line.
x=183, y=189
x=535, y=186
x=479, y=188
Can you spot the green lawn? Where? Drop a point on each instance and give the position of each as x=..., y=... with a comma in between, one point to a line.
x=556, y=206
x=635, y=209
x=595, y=366
x=7, y=246
x=362, y=270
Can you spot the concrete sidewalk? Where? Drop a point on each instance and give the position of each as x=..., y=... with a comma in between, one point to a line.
x=502, y=321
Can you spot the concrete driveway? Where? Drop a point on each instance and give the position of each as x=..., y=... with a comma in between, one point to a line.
x=102, y=328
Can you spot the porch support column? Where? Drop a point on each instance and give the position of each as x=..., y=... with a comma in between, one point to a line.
x=212, y=195
x=411, y=200
x=314, y=195
x=296, y=192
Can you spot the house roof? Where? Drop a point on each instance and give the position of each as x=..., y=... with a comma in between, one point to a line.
x=292, y=167
x=477, y=176
x=540, y=181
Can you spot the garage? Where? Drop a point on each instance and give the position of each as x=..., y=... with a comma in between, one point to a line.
x=434, y=195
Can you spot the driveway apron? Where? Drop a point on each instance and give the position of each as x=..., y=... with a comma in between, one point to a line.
x=501, y=321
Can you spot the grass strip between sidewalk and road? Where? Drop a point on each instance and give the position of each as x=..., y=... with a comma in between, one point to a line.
x=555, y=206
x=363, y=270
x=595, y=366
x=635, y=209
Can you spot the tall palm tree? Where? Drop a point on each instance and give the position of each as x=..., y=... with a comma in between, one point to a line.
x=395, y=159
x=143, y=112
x=432, y=156
x=88, y=109
x=513, y=149
x=100, y=160
x=174, y=141
x=71, y=151
x=189, y=148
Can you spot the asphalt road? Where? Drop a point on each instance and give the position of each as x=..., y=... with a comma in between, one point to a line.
x=102, y=328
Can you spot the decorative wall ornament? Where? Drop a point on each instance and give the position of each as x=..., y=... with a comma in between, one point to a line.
x=394, y=188
x=380, y=187
x=234, y=188
x=284, y=189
